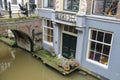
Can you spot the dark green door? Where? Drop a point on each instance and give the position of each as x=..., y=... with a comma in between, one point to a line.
x=69, y=46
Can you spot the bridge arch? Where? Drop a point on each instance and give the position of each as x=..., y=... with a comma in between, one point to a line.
x=23, y=40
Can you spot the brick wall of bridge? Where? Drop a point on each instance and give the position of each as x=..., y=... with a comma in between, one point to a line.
x=32, y=28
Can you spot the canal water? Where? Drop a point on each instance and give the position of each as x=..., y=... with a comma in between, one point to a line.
x=17, y=64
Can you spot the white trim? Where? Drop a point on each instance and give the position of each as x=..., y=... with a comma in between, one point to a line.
x=69, y=33
x=44, y=26
x=88, y=47
x=49, y=43
x=97, y=63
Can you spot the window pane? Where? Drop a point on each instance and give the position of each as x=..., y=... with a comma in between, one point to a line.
x=106, y=50
x=75, y=31
x=67, y=4
x=92, y=47
x=99, y=47
x=91, y=55
x=45, y=3
x=51, y=3
x=51, y=39
x=66, y=28
x=51, y=33
x=72, y=5
x=48, y=38
x=98, y=7
x=48, y=23
x=93, y=35
x=48, y=32
x=97, y=57
x=71, y=29
x=51, y=25
x=108, y=38
x=104, y=59
x=105, y=7
x=75, y=5
x=100, y=36
x=110, y=7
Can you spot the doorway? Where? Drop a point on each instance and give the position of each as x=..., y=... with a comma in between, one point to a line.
x=69, y=46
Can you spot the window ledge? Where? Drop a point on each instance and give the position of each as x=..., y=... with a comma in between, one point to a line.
x=47, y=8
x=49, y=43
x=98, y=64
x=103, y=18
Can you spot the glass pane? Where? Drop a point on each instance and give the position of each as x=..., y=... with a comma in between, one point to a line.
x=66, y=28
x=75, y=5
x=97, y=57
x=91, y=55
x=67, y=4
x=98, y=7
x=49, y=32
x=51, y=25
x=51, y=3
x=48, y=38
x=106, y=50
x=104, y=59
x=48, y=23
x=71, y=29
x=99, y=47
x=93, y=34
x=45, y=3
x=51, y=39
x=75, y=31
x=92, y=46
x=108, y=38
x=111, y=7
x=100, y=36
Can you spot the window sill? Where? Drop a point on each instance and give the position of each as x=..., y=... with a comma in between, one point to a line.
x=48, y=43
x=97, y=63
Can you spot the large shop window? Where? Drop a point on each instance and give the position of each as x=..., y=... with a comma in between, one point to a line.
x=48, y=31
x=105, y=7
x=99, y=46
x=71, y=5
x=48, y=4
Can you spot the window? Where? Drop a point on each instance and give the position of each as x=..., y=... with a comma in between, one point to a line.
x=70, y=29
x=71, y=5
x=105, y=7
x=14, y=1
x=48, y=31
x=49, y=3
x=99, y=46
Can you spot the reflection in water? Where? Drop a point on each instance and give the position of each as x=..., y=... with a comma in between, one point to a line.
x=4, y=66
x=17, y=64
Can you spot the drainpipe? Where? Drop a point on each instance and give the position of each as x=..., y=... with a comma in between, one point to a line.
x=10, y=12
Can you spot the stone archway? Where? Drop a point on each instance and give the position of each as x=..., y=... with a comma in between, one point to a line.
x=23, y=40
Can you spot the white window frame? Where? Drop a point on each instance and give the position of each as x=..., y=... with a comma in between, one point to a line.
x=44, y=26
x=88, y=49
